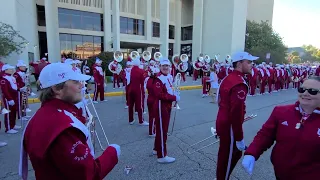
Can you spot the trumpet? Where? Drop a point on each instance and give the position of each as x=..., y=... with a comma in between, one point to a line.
x=91, y=125
x=214, y=134
x=177, y=81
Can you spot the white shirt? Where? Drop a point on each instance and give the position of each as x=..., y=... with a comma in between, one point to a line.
x=213, y=81
x=168, y=82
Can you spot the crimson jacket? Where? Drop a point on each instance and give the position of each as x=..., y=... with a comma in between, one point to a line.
x=232, y=95
x=151, y=93
x=295, y=155
x=137, y=77
x=98, y=74
x=19, y=80
x=56, y=141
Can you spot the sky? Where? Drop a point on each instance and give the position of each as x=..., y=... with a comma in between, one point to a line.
x=297, y=21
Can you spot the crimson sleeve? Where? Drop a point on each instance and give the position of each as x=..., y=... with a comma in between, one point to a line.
x=265, y=137
x=237, y=110
x=160, y=91
x=6, y=88
x=71, y=155
x=96, y=75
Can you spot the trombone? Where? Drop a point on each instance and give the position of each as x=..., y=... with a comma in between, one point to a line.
x=214, y=134
x=91, y=124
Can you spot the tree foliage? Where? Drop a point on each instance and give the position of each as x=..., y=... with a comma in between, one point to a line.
x=262, y=39
x=311, y=53
x=10, y=40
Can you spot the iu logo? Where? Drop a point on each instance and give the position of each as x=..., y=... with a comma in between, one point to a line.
x=61, y=75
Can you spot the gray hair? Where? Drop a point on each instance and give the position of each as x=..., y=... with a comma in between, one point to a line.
x=47, y=94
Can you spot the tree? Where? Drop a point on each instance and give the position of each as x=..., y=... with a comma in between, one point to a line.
x=295, y=53
x=10, y=40
x=311, y=53
x=262, y=39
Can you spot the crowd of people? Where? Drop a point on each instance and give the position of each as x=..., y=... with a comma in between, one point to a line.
x=65, y=150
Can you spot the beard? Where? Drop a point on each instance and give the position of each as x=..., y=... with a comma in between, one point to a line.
x=71, y=98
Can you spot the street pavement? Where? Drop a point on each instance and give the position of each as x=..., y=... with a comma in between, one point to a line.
x=193, y=123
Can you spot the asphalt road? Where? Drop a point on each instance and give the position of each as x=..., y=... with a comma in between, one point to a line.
x=193, y=123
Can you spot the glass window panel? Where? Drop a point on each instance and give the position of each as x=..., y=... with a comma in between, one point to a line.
x=123, y=25
x=130, y=26
x=97, y=44
x=77, y=45
x=87, y=23
x=76, y=22
x=87, y=46
x=141, y=29
x=96, y=22
x=64, y=21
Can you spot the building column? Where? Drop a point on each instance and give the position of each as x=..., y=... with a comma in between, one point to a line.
x=197, y=28
x=224, y=35
x=107, y=41
x=177, y=29
x=148, y=21
x=164, y=27
x=116, y=24
x=52, y=28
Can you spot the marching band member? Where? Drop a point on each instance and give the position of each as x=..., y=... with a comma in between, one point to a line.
x=136, y=92
x=294, y=129
x=214, y=84
x=86, y=70
x=233, y=91
x=62, y=151
x=263, y=79
x=150, y=103
x=205, y=88
x=286, y=78
x=253, y=80
x=127, y=80
x=116, y=77
x=270, y=77
x=198, y=64
x=164, y=96
x=20, y=76
x=98, y=81
x=9, y=90
x=183, y=73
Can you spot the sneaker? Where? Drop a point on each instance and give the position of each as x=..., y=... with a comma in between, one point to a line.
x=152, y=135
x=95, y=102
x=12, y=131
x=132, y=122
x=144, y=112
x=4, y=144
x=154, y=152
x=166, y=160
x=126, y=107
x=28, y=110
x=144, y=123
x=105, y=100
x=16, y=127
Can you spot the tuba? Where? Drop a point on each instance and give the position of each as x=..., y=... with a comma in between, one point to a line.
x=183, y=65
x=157, y=56
x=184, y=58
x=134, y=54
x=146, y=55
x=206, y=67
x=175, y=61
x=116, y=68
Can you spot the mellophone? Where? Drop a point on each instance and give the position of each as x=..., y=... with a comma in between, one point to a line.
x=214, y=134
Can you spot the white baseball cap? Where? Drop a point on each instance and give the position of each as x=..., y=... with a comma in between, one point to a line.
x=165, y=61
x=57, y=73
x=6, y=67
x=239, y=56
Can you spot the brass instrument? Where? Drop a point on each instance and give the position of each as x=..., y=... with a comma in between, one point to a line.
x=175, y=61
x=134, y=54
x=214, y=134
x=118, y=56
x=177, y=81
x=157, y=56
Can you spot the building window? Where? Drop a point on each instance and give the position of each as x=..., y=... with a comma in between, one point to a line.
x=186, y=33
x=186, y=49
x=74, y=19
x=170, y=51
x=171, y=32
x=41, y=15
x=80, y=46
x=155, y=29
x=131, y=26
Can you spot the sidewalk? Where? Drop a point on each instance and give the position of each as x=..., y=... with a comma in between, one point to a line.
x=110, y=91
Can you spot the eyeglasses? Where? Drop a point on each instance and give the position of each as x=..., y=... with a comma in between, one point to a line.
x=310, y=91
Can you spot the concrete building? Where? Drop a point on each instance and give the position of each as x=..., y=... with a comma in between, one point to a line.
x=87, y=27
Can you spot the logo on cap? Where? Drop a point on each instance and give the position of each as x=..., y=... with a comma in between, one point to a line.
x=61, y=75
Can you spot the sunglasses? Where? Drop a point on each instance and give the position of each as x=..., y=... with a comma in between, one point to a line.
x=310, y=91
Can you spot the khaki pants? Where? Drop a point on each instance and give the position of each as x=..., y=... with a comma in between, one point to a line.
x=213, y=94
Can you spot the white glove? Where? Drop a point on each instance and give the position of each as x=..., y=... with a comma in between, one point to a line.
x=177, y=98
x=11, y=103
x=24, y=89
x=117, y=147
x=240, y=145
x=248, y=163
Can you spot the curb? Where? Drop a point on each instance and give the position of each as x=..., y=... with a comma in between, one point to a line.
x=119, y=93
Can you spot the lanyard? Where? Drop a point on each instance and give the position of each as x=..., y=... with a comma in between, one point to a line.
x=304, y=117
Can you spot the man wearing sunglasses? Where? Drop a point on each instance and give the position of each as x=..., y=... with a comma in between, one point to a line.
x=233, y=92
x=295, y=130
